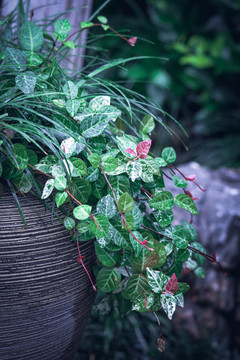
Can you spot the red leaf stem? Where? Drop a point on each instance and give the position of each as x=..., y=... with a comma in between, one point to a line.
x=185, y=177
x=106, y=178
x=143, y=243
x=80, y=259
x=147, y=192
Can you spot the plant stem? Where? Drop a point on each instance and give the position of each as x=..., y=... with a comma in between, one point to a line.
x=80, y=259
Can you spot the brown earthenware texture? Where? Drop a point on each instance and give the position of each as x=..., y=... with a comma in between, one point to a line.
x=45, y=294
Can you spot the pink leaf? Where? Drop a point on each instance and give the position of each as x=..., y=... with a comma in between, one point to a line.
x=132, y=41
x=143, y=148
x=131, y=151
x=191, y=177
x=172, y=284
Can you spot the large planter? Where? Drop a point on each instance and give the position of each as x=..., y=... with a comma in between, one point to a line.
x=45, y=294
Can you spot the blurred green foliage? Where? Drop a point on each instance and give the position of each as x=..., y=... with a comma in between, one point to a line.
x=198, y=84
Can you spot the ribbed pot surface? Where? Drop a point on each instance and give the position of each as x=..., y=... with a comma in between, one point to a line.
x=45, y=294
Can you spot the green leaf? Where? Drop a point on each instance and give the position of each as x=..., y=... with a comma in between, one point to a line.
x=85, y=24
x=149, y=168
x=106, y=206
x=62, y=28
x=137, y=216
x=69, y=223
x=30, y=36
x=105, y=27
x=98, y=187
x=21, y=156
x=134, y=169
x=102, y=19
x=98, y=102
x=79, y=167
x=147, y=125
x=81, y=190
x=60, y=183
x=93, y=124
x=182, y=255
x=46, y=163
x=164, y=218
x=32, y=157
x=191, y=229
x=162, y=201
x=69, y=44
x=120, y=185
x=125, y=203
x=127, y=142
x=191, y=264
x=169, y=304
x=48, y=188
x=60, y=103
x=83, y=227
x=82, y=212
x=118, y=235
x=93, y=174
x=156, y=280
x=136, y=286
x=104, y=256
x=33, y=58
x=160, y=162
x=180, y=236
x=182, y=288
x=70, y=90
x=26, y=82
x=200, y=259
x=179, y=182
x=143, y=302
x=22, y=182
x=186, y=203
x=109, y=163
x=136, y=246
x=72, y=147
x=146, y=259
x=94, y=160
x=72, y=106
x=60, y=198
x=162, y=253
x=57, y=170
x=200, y=272
x=169, y=155
x=15, y=59
x=108, y=280
x=103, y=224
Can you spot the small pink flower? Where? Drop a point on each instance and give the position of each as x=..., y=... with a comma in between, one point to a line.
x=144, y=242
x=191, y=177
x=132, y=41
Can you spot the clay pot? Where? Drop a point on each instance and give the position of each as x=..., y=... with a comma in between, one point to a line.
x=45, y=294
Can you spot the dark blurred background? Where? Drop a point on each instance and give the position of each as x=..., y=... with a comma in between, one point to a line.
x=198, y=83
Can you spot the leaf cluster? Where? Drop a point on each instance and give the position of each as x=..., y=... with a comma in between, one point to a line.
x=72, y=131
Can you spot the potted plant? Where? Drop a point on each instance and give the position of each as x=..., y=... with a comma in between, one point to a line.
x=80, y=146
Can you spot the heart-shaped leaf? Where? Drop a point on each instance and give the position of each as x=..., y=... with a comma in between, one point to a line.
x=82, y=212
x=125, y=203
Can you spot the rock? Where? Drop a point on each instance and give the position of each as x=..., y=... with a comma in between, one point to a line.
x=212, y=309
